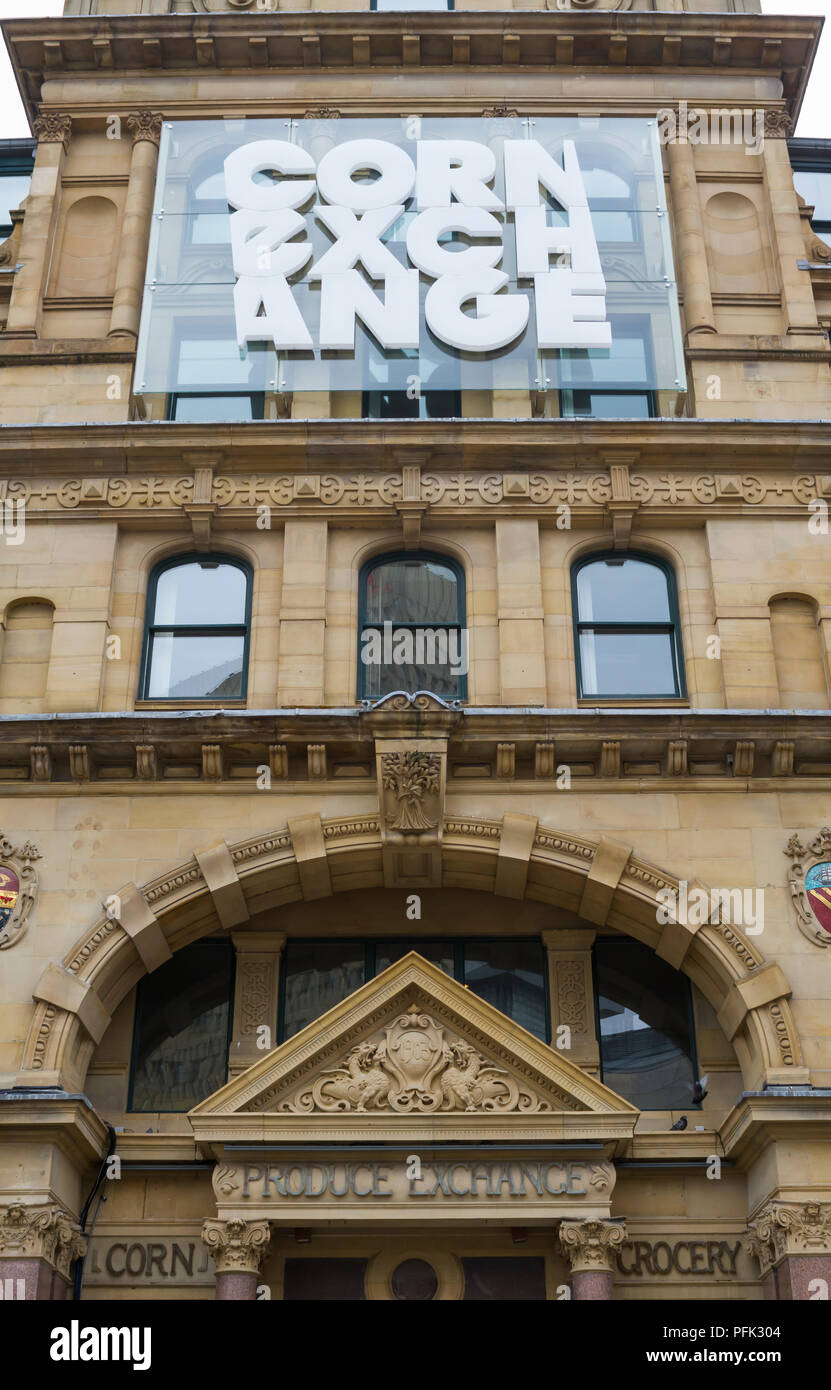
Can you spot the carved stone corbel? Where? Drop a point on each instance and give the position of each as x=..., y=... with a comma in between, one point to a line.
x=412, y=778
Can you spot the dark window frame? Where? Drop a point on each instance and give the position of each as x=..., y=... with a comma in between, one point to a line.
x=632, y=941
x=201, y=330
x=411, y=556
x=416, y=9
x=627, y=326
x=454, y=944
x=194, y=630
x=672, y=629
x=137, y=1014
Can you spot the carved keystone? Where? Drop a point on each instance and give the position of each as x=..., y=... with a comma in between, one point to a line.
x=604, y=876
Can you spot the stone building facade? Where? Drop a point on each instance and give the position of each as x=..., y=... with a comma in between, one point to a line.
x=316, y=984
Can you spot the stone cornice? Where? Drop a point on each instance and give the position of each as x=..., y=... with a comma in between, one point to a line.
x=606, y=749
x=317, y=41
x=708, y=443
x=793, y=1115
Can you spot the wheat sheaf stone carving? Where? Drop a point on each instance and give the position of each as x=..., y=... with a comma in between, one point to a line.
x=413, y=779
x=415, y=1068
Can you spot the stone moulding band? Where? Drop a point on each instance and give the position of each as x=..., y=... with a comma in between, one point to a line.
x=750, y=996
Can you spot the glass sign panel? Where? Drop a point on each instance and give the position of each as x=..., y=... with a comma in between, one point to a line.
x=409, y=254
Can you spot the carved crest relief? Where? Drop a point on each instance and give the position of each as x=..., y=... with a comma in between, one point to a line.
x=415, y=1067
x=809, y=879
x=411, y=785
x=18, y=889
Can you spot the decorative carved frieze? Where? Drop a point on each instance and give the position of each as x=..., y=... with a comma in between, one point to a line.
x=18, y=889
x=416, y=1067
x=237, y=1247
x=789, y=1228
x=51, y=128
x=244, y=493
x=41, y=1232
x=591, y=1245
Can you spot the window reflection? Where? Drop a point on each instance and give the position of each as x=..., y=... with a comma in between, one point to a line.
x=626, y=628
x=412, y=635
x=645, y=1019
x=183, y=1016
x=197, y=630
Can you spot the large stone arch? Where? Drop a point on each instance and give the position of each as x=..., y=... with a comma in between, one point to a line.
x=601, y=880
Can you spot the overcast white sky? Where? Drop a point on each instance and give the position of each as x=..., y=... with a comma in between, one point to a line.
x=816, y=111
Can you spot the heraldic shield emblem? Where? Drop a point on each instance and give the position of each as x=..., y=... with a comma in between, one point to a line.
x=18, y=889
x=809, y=879
x=9, y=894
x=818, y=888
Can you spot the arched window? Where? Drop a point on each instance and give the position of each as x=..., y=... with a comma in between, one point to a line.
x=626, y=637
x=197, y=629
x=412, y=632
x=182, y=1029
x=645, y=1026
x=210, y=213
x=612, y=201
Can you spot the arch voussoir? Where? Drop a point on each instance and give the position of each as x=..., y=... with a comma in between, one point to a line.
x=311, y=858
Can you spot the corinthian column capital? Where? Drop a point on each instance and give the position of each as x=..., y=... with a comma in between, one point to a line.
x=40, y=1232
x=237, y=1247
x=591, y=1245
x=51, y=127
x=145, y=125
x=783, y=1229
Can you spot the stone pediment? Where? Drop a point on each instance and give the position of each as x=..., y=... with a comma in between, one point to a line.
x=413, y=1052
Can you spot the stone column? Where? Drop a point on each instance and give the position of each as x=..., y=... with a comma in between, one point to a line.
x=238, y=1248
x=590, y=1248
x=256, y=991
x=792, y=1242
x=145, y=127
x=38, y=1246
x=689, y=233
x=571, y=992
x=52, y=132
x=520, y=613
x=799, y=309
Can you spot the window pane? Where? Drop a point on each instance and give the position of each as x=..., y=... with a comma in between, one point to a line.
x=195, y=668
x=645, y=1033
x=182, y=1020
x=324, y=1280
x=437, y=952
x=607, y=405
x=200, y=594
x=626, y=663
x=206, y=362
x=411, y=591
x=198, y=409
x=412, y=5
x=511, y=976
x=380, y=677
x=814, y=185
x=318, y=975
x=13, y=189
x=500, y=1279
x=630, y=591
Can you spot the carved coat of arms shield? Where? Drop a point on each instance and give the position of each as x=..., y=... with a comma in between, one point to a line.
x=414, y=1056
x=809, y=879
x=9, y=893
x=818, y=890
